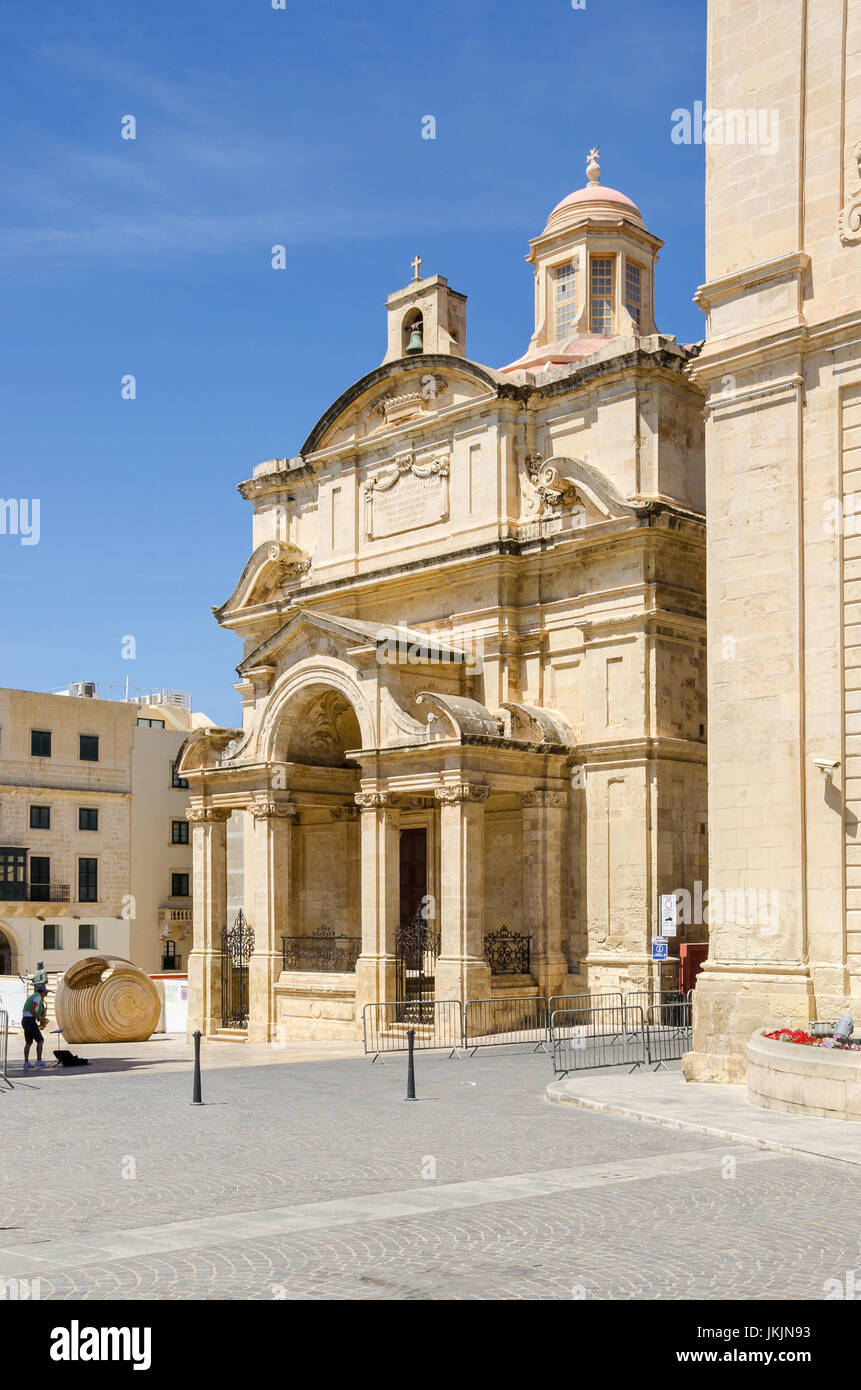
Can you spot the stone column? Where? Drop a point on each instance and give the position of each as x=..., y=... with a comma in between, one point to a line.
x=381, y=897
x=209, y=847
x=272, y=869
x=461, y=970
x=543, y=829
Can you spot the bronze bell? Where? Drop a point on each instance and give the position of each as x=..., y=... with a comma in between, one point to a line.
x=416, y=342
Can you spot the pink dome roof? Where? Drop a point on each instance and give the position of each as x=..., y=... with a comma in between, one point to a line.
x=596, y=193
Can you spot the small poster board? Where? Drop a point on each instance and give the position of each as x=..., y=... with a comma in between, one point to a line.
x=668, y=914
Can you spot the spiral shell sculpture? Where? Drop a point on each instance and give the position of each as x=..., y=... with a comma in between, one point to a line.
x=106, y=999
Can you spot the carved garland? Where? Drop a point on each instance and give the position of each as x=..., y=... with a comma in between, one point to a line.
x=207, y=814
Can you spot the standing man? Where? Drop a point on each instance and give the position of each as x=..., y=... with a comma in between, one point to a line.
x=33, y=1015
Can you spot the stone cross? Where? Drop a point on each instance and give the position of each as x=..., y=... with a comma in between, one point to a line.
x=415, y=263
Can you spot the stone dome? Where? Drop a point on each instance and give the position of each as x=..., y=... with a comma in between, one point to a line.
x=594, y=200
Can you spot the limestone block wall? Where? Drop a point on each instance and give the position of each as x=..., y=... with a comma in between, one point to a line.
x=326, y=875
x=782, y=368
x=832, y=946
x=503, y=885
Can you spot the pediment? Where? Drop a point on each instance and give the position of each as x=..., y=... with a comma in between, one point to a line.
x=271, y=565
x=327, y=634
x=407, y=391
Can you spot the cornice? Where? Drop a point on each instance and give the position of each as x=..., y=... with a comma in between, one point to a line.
x=44, y=789
x=637, y=750
x=726, y=286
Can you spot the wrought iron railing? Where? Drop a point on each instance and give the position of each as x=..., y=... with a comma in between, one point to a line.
x=169, y=962
x=507, y=952
x=237, y=948
x=35, y=892
x=321, y=951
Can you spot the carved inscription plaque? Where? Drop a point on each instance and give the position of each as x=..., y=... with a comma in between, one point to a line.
x=406, y=496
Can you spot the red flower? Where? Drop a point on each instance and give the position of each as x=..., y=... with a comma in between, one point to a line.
x=794, y=1035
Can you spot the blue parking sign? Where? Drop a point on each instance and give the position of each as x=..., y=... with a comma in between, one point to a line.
x=659, y=947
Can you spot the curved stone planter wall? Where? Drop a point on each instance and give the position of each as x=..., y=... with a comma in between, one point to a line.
x=804, y=1080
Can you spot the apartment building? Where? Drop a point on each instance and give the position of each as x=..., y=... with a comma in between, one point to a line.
x=94, y=844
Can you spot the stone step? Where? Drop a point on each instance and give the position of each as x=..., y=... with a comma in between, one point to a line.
x=234, y=1035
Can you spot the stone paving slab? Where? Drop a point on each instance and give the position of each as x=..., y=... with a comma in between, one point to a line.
x=29, y=1261
x=171, y=1052
x=721, y=1112
x=316, y=1181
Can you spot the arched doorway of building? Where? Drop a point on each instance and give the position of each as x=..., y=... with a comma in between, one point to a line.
x=6, y=954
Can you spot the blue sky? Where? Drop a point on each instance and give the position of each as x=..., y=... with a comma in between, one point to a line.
x=152, y=257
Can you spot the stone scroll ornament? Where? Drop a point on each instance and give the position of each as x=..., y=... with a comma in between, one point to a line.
x=106, y=999
x=849, y=225
x=552, y=491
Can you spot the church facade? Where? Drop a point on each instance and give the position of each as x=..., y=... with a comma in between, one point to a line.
x=473, y=681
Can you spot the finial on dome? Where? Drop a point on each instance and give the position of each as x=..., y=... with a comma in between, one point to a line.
x=593, y=168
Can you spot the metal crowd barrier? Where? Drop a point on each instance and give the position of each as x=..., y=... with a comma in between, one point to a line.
x=4, y=1046
x=503, y=1022
x=583, y=1039
x=436, y=1023
x=669, y=1034
x=612, y=999
x=668, y=1005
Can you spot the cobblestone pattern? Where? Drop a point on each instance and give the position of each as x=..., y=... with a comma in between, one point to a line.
x=275, y=1136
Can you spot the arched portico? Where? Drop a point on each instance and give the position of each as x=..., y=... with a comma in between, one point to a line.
x=363, y=810
x=301, y=689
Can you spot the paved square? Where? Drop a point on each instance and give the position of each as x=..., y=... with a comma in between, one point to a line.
x=318, y=1180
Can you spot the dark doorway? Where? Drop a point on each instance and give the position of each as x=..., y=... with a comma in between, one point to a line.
x=417, y=940
x=414, y=872
x=5, y=955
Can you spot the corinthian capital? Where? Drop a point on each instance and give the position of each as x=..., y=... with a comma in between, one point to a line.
x=267, y=807
x=207, y=813
x=543, y=798
x=461, y=791
x=376, y=801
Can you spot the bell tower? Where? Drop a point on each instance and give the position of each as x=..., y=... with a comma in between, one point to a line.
x=426, y=317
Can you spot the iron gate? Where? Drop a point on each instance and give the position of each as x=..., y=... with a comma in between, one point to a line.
x=237, y=948
x=416, y=950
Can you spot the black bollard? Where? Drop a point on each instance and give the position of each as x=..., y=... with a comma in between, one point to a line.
x=411, y=1064
x=196, y=1100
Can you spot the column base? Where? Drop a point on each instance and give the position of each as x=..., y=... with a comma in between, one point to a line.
x=551, y=975
x=263, y=972
x=204, y=993
x=732, y=1003
x=463, y=978
x=375, y=982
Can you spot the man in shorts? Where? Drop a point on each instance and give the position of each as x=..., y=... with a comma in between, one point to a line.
x=32, y=1016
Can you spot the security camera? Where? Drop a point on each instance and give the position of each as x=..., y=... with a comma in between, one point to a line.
x=826, y=765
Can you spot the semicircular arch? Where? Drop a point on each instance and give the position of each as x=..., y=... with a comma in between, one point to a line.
x=298, y=690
